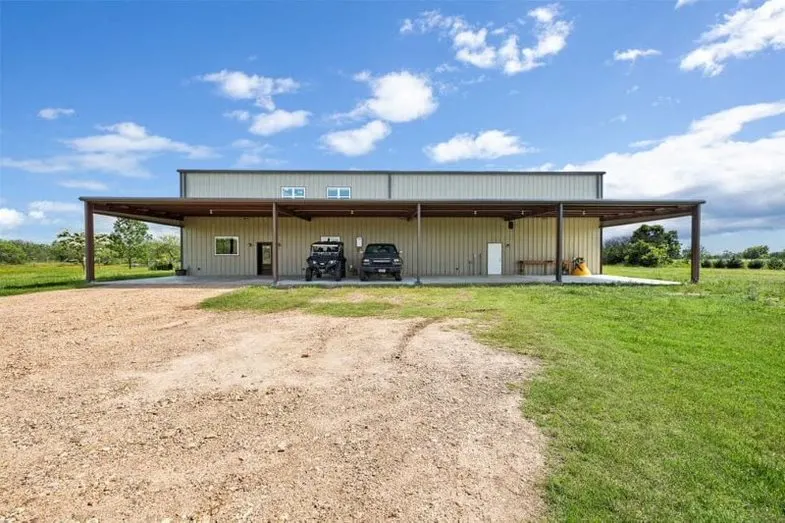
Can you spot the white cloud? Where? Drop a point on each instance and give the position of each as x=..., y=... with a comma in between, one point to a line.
x=632, y=55
x=53, y=113
x=240, y=116
x=743, y=33
x=242, y=86
x=485, y=145
x=356, y=142
x=471, y=44
x=88, y=185
x=665, y=100
x=620, y=118
x=633, y=89
x=10, y=219
x=41, y=211
x=121, y=150
x=740, y=177
x=129, y=137
x=254, y=154
x=396, y=97
x=445, y=68
x=266, y=124
x=682, y=3
x=643, y=144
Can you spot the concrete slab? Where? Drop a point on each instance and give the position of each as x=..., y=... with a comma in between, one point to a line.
x=447, y=281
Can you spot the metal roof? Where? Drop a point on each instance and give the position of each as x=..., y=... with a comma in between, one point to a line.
x=355, y=172
x=172, y=211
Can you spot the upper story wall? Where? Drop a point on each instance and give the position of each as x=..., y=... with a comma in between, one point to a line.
x=396, y=185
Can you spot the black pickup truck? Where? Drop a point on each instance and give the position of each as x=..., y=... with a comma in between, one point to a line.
x=381, y=258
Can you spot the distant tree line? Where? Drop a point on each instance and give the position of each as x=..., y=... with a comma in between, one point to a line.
x=129, y=243
x=653, y=246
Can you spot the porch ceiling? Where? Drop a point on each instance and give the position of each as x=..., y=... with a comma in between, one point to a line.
x=172, y=211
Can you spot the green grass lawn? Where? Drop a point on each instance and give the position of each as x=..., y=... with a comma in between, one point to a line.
x=660, y=403
x=33, y=277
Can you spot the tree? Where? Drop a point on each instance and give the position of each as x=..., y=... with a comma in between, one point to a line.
x=755, y=252
x=615, y=250
x=687, y=253
x=646, y=254
x=11, y=253
x=128, y=239
x=165, y=250
x=70, y=247
x=657, y=236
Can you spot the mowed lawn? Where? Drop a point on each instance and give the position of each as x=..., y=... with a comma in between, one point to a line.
x=660, y=403
x=32, y=277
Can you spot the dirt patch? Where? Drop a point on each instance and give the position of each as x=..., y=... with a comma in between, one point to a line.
x=131, y=404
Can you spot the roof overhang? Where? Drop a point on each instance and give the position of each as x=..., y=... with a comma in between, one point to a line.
x=172, y=211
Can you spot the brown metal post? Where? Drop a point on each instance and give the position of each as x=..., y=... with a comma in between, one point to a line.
x=419, y=236
x=89, y=243
x=696, y=244
x=559, y=240
x=275, y=244
x=602, y=246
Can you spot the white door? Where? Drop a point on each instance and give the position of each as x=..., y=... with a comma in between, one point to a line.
x=494, y=259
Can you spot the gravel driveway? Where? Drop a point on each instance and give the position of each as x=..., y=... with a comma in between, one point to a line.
x=133, y=403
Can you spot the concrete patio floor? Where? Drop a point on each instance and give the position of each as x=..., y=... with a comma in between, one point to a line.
x=294, y=281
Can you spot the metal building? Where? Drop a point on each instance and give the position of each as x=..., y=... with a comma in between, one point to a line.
x=249, y=223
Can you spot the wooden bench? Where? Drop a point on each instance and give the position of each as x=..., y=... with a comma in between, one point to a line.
x=522, y=264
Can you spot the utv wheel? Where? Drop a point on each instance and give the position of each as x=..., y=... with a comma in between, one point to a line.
x=308, y=274
x=363, y=276
x=337, y=275
x=397, y=276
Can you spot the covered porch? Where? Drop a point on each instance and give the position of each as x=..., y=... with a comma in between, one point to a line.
x=608, y=213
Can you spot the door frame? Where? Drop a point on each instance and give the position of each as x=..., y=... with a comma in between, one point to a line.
x=488, y=259
x=262, y=269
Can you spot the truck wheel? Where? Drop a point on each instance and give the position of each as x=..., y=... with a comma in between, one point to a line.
x=308, y=274
x=363, y=276
x=397, y=276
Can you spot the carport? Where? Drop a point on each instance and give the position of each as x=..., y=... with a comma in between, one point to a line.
x=173, y=211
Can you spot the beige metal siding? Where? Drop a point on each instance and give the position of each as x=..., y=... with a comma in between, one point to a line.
x=268, y=185
x=494, y=186
x=450, y=246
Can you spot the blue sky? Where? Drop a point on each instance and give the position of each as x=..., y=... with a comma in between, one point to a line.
x=672, y=100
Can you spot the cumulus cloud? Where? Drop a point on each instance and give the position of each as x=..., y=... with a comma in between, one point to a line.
x=632, y=55
x=742, y=34
x=88, y=185
x=619, y=118
x=471, y=43
x=254, y=154
x=485, y=145
x=266, y=124
x=42, y=211
x=682, y=3
x=395, y=97
x=356, y=142
x=240, y=116
x=10, y=219
x=740, y=177
x=121, y=149
x=243, y=86
x=53, y=113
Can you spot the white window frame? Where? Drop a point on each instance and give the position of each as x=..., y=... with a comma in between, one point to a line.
x=294, y=189
x=338, y=189
x=236, y=242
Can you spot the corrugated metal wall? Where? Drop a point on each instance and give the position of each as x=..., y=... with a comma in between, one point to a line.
x=268, y=185
x=494, y=186
x=451, y=246
x=447, y=186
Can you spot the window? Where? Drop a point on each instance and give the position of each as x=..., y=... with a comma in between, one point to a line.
x=227, y=245
x=339, y=193
x=292, y=192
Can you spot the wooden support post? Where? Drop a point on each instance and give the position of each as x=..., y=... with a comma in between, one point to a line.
x=419, y=240
x=276, y=276
x=602, y=246
x=89, y=243
x=696, y=244
x=559, y=241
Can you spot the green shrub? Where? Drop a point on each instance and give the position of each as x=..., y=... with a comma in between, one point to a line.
x=161, y=266
x=734, y=262
x=776, y=264
x=646, y=255
x=705, y=263
x=11, y=253
x=720, y=263
x=755, y=264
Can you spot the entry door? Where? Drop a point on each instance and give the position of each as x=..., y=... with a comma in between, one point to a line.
x=494, y=259
x=264, y=258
